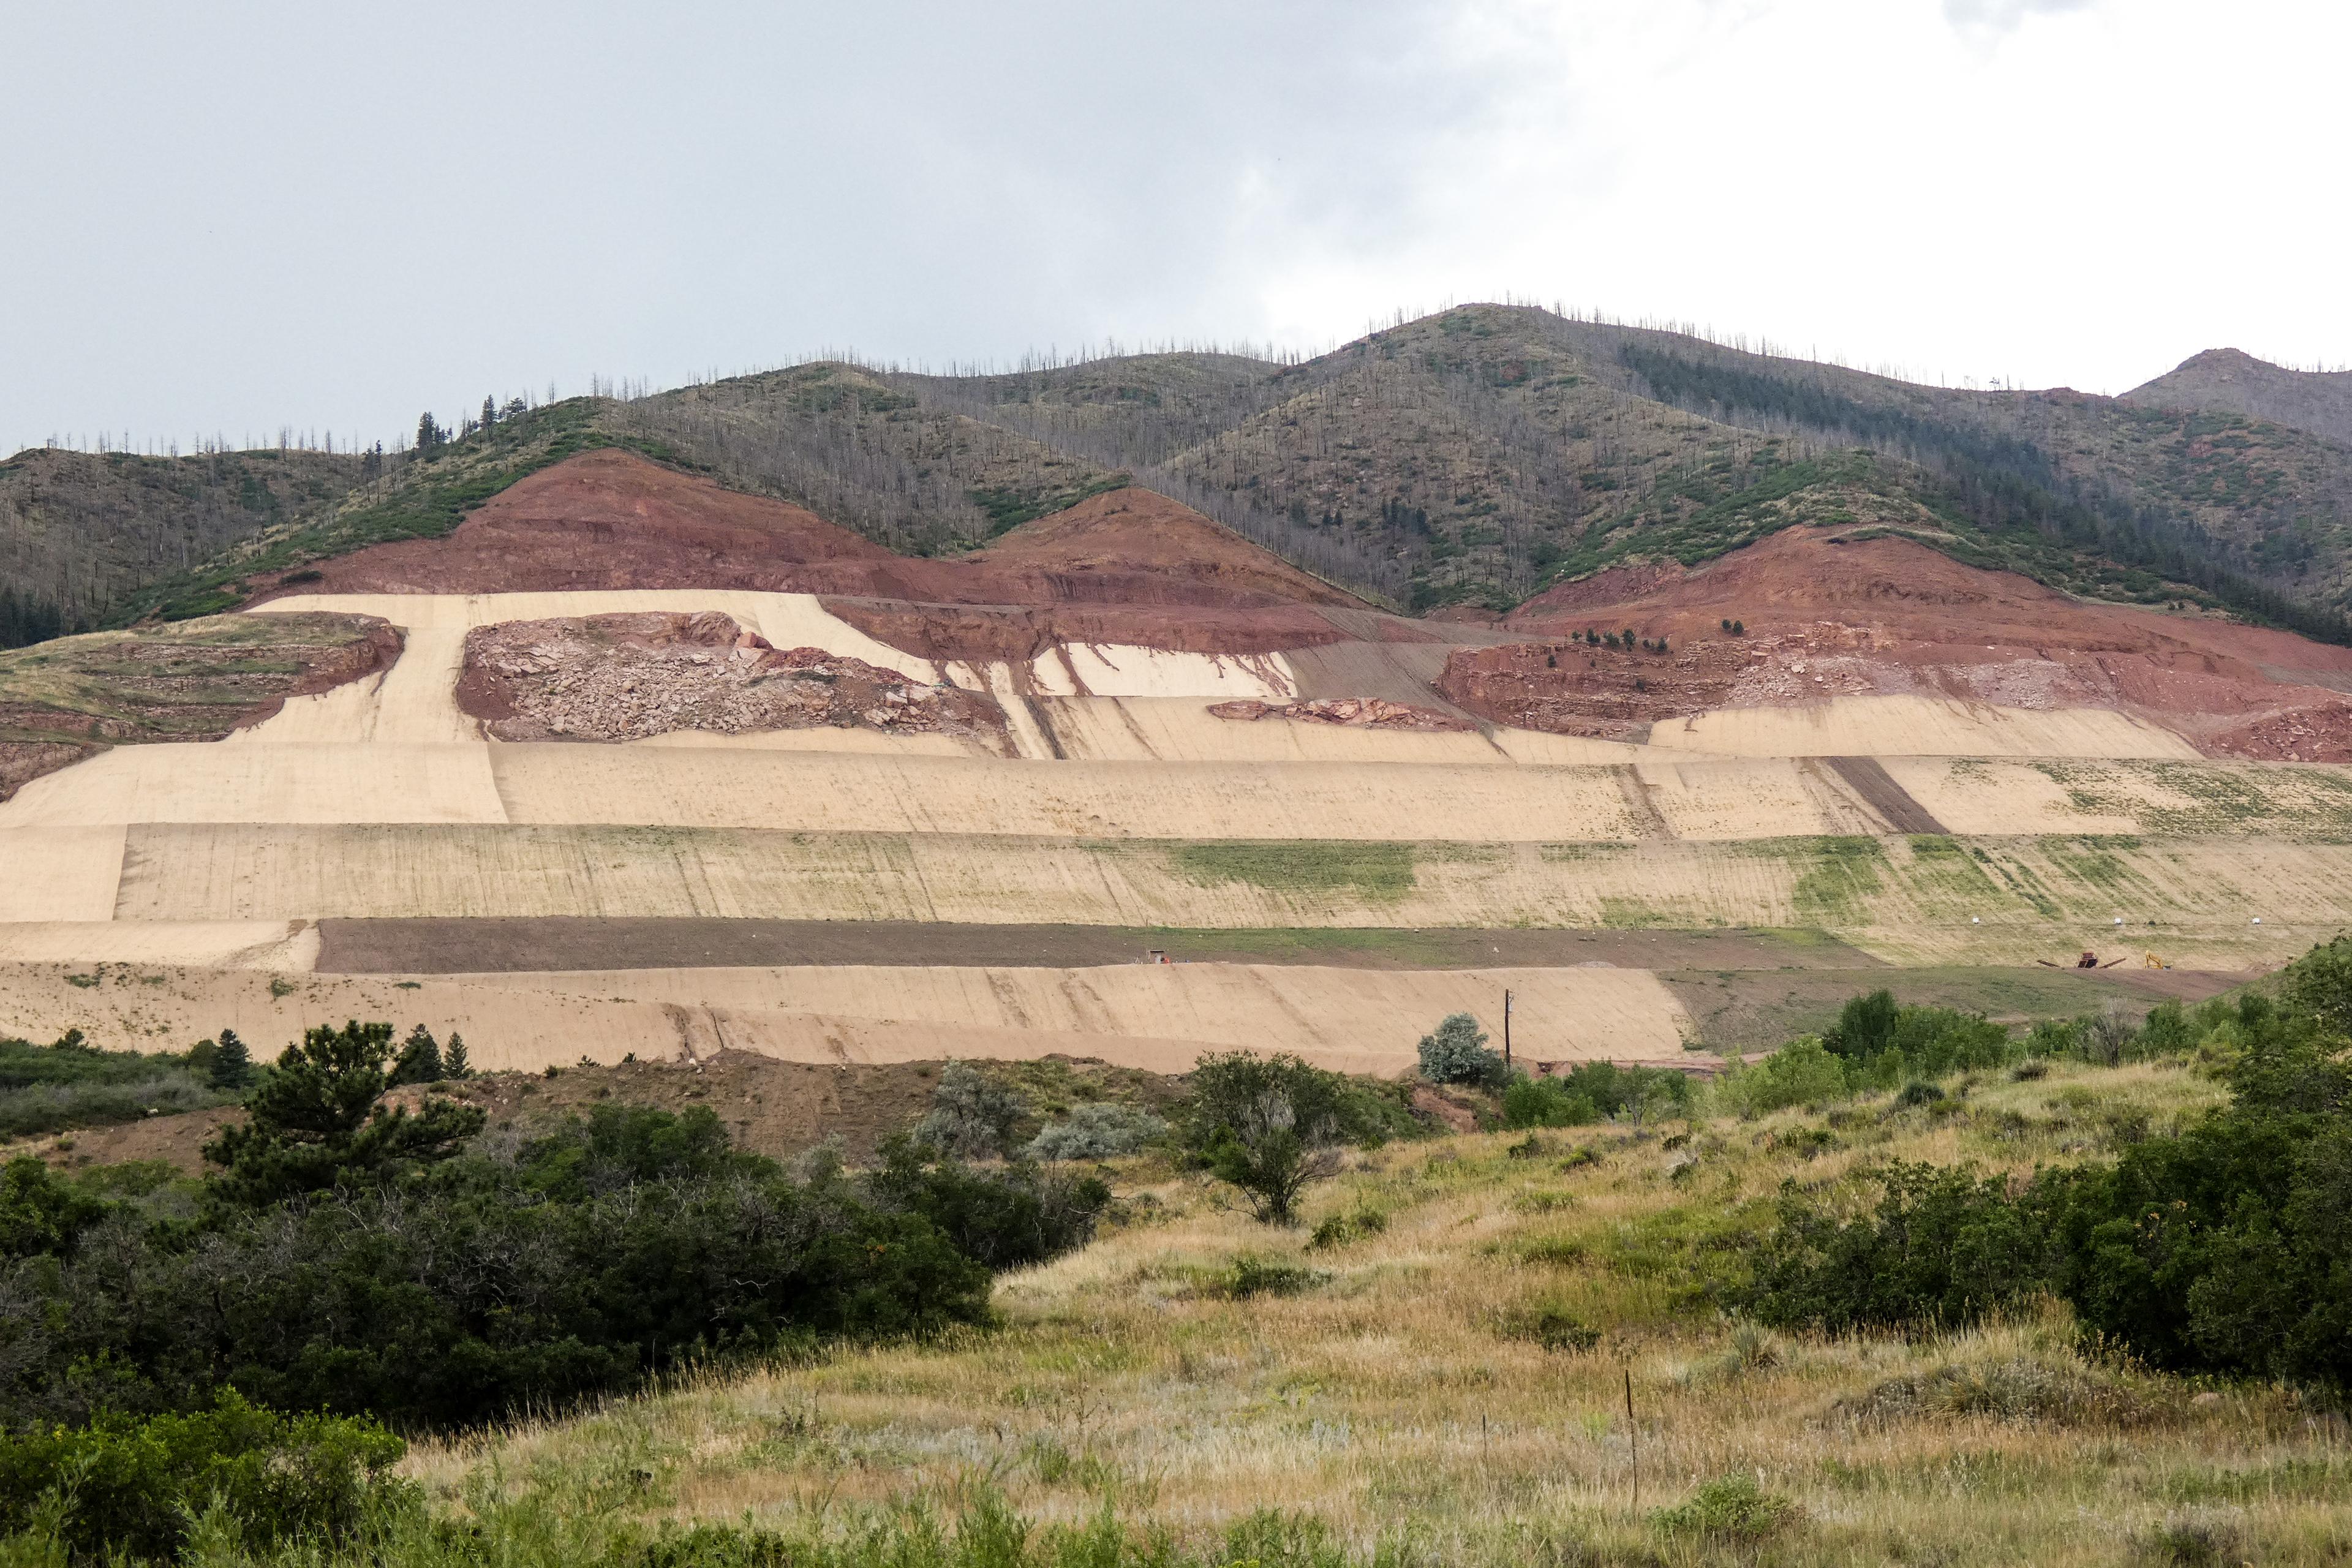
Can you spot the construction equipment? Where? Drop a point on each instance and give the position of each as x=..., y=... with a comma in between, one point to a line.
x=2155, y=963
x=2113, y=962
x=2088, y=960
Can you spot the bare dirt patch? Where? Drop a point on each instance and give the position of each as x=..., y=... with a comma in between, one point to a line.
x=557, y=943
x=627, y=677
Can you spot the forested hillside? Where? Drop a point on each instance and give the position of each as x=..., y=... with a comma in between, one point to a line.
x=80, y=530
x=1473, y=458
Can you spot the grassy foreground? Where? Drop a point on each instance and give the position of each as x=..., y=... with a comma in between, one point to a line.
x=1439, y=1374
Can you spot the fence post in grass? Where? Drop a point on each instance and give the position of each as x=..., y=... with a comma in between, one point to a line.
x=1506, y=1032
x=1633, y=1437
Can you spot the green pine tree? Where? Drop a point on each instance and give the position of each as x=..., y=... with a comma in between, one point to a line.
x=232, y=1063
x=420, y=1059
x=453, y=1060
x=320, y=1122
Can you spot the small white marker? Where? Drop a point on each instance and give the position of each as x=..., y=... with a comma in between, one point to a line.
x=1976, y=921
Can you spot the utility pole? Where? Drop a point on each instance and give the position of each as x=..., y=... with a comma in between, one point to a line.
x=1506, y=1029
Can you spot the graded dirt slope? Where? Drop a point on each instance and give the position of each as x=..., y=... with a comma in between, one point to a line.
x=1157, y=1017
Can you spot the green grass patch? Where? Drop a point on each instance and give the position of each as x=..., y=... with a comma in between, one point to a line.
x=1375, y=872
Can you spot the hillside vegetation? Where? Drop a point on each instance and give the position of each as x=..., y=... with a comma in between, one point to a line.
x=1917, y=1288
x=1474, y=457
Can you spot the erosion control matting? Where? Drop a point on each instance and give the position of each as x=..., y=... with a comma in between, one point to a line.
x=485, y=945
x=1871, y=780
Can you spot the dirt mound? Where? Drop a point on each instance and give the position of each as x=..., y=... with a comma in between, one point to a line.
x=623, y=678
x=1365, y=713
x=1136, y=531
x=1825, y=614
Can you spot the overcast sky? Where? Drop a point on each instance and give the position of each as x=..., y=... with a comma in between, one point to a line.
x=230, y=219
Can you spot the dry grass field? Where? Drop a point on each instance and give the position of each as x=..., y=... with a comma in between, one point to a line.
x=1424, y=1388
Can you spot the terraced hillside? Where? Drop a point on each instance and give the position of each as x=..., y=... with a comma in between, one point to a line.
x=663, y=769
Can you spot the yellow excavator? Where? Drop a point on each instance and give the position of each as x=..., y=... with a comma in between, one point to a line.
x=2155, y=963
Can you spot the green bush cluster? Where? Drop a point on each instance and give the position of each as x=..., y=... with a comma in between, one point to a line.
x=128, y=1486
x=71, y=1084
x=1271, y=1126
x=2223, y=1248
x=351, y=1259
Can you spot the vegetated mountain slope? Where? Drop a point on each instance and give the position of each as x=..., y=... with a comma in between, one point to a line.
x=1828, y=613
x=79, y=531
x=2257, y=514
x=1473, y=458
x=2230, y=381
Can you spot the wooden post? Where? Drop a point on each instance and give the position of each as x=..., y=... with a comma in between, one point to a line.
x=1633, y=1435
x=1506, y=1029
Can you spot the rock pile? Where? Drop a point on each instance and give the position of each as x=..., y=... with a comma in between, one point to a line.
x=626, y=677
x=1367, y=712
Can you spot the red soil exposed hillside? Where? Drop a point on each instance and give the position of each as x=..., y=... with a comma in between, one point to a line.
x=1126, y=567
x=1140, y=532
x=610, y=519
x=1825, y=617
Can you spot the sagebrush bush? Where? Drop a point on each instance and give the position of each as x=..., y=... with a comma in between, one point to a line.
x=972, y=1116
x=1101, y=1129
x=1455, y=1052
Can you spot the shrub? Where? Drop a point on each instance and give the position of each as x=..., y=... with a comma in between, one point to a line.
x=1545, y=1103
x=972, y=1116
x=631, y=1243
x=1007, y=1219
x=1802, y=1072
x=1268, y=1125
x=1252, y=1276
x=1734, y=1510
x=1101, y=1129
x=1941, y=1246
x=1634, y=1093
x=1550, y=1325
x=1339, y=1229
x=1917, y=1093
x=1455, y=1052
x=129, y=1486
x=2166, y=1031
x=72, y=1084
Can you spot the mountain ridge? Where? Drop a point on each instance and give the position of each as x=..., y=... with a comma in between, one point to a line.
x=1474, y=459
